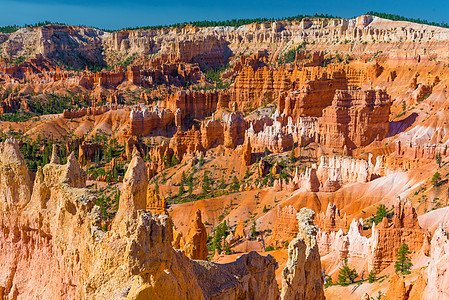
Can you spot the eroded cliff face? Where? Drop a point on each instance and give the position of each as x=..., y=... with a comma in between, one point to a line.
x=318, y=104
x=212, y=46
x=286, y=226
x=387, y=238
x=379, y=250
x=437, y=275
x=70, y=44
x=54, y=230
x=196, y=239
x=355, y=118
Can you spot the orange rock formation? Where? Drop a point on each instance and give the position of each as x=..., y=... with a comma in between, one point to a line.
x=355, y=118
x=196, y=239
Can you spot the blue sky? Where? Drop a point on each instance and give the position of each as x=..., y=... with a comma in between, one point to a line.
x=114, y=14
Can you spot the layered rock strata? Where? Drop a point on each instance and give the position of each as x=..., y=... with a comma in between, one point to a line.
x=380, y=250
x=196, y=239
x=142, y=122
x=355, y=119
x=52, y=227
x=331, y=220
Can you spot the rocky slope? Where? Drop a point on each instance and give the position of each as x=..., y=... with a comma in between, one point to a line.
x=212, y=45
x=204, y=154
x=51, y=227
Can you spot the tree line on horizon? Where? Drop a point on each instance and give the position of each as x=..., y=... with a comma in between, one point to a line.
x=204, y=23
x=233, y=22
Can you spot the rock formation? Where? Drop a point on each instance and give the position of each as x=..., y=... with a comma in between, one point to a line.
x=142, y=122
x=351, y=244
x=343, y=169
x=91, y=111
x=315, y=95
x=9, y=105
x=193, y=104
x=186, y=142
x=396, y=289
x=196, y=239
x=247, y=153
x=15, y=181
x=89, y=152
x=387, y=238
x=358, y=88
x=307, y=181
x=240, y=229
x=356, y=118
x=254, y=88
x=234, y=129
x=212, y=134
x=437, y=275
x=286, y=226
x=301, y=277
x=399, y=291
x=57, y=225
x=135, y=144
x=271, y=138
x=381, y=248
x=331, y=220
x=155, y=204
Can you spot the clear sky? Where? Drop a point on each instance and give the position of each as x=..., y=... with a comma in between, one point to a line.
x=115, y=14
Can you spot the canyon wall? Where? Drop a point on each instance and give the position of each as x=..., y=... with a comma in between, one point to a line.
x=52, y=227
x=380, y=250
x=212, y=46
x=355, y=119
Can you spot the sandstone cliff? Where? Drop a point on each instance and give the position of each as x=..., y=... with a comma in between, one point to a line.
x=54, y=230
x=355, y=118
x=212, y=46
x=437, y=275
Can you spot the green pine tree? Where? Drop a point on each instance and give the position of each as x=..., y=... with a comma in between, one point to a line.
x=438, y=159
x=181, y=190
x=174, y=160
x=292, y=155
x=265, y=209
x=247, y=173
x=201, y=162
x=436, y=179
x=190, y=184
x=235, y=184
x=346, y=273
x=183, y=177
x=114, y=170
x=222, y=183
x=381, y=213
x=156, y=188
x=220, y=232
x=403, y=263
x=372, y=276
x=206, y=183
x=253, y=230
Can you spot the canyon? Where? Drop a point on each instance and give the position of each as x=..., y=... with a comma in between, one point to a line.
x=260, y=161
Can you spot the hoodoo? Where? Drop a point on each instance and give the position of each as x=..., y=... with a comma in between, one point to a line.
x=290, y=158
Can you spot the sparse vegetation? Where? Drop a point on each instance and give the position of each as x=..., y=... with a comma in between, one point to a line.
x=381, y=213
x=436, y=178
x=346, y=275
x=290, y=55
